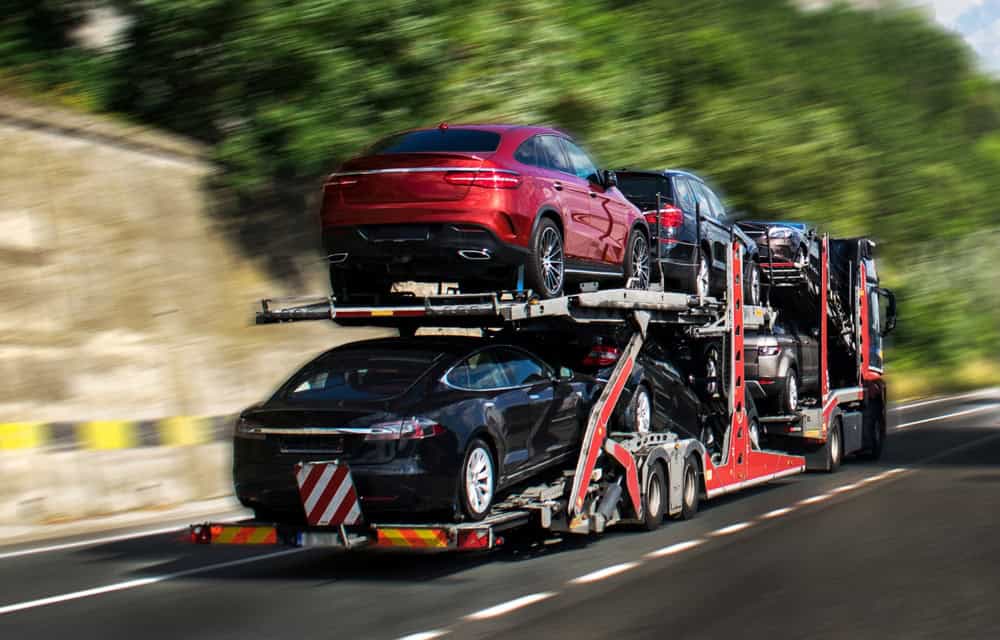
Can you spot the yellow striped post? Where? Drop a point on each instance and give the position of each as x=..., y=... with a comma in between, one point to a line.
x=182, y=430
x=107, y=434
x=23, y=435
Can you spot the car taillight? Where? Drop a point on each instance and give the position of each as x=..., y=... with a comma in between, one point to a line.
x=486, y=178
x=602, y=356
x=768, y=350
x=671, y=217
x=407, y=429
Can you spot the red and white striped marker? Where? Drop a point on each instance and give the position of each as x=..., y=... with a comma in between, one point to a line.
x=327, y=493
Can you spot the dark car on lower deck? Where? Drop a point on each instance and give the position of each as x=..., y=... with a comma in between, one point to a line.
x=409, y=416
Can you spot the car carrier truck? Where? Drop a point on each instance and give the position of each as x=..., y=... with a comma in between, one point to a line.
x=632, y=478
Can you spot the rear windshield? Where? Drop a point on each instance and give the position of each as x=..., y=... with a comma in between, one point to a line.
x=641, y=189
x=462, y=140
x=357, y=375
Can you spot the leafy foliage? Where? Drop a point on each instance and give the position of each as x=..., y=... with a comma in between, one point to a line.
x=861, y=121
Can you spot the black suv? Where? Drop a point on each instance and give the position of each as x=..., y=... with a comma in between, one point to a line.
x=689, y=231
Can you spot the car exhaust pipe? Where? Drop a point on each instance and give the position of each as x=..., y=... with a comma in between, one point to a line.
x=475, y=255
x=337, y=258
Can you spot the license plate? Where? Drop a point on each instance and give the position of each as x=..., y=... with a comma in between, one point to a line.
x=313, y=444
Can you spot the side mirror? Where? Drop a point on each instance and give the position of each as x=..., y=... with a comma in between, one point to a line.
x=890, y=311
x=609, y=178
x=565, y=373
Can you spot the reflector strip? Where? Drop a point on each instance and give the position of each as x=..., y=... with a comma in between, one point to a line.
x=412, y=538
x=245, y=535
x=327, y=493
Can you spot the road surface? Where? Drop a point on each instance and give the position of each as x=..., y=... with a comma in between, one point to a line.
x=907, y=547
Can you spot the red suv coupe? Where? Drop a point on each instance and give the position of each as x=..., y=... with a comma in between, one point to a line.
x=475, y=205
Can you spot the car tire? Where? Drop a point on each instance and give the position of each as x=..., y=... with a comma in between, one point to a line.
x=788, y=395
x=701, y=277
x=640, y=411
x=654, y=499
x=690, y=489
x=834, y=448
x=751, y=284
x=477, y=480
x=545, y=269
x=637, y=265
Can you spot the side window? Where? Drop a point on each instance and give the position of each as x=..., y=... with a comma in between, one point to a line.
x=525, y=153
x=478, y=372
x=717, y=208
x=702, y=197
x=522, y=369
x=685, y=198
x=581, y=163
x=550, y=154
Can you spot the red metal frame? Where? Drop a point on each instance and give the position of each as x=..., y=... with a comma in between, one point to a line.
x=743, y=465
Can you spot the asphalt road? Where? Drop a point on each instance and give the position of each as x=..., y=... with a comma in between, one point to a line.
x=907, y=547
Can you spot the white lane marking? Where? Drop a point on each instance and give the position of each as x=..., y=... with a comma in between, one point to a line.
x=966, y=412
x=426, y=635
x=512, y=605
x=606, y=572
x=813, y=500
x=733, y=528
x=674, y=548
x=115, y=538
x=141, y=582
x=845, y=487
x=777, y=513
x=924, y=403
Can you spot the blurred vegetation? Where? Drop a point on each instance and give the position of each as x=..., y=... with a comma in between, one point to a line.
x=860, y=121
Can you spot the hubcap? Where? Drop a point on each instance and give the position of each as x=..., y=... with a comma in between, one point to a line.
x=755, y=434
x=793, y=393
x=702, y=284
x=653, y=500
x=552, y=260
x=689, y=488
x=754, y=285
x=642, y=412
x=712, y=373
x=640, y=263
x=479, y=480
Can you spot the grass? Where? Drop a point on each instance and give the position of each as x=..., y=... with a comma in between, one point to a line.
x=975, y=373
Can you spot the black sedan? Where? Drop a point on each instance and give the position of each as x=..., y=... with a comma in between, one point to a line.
x=427, y=425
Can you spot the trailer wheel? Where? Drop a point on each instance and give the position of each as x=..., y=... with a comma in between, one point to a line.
x=655, y=498
x=477, y=480
x=690, y=489
x=834, y=448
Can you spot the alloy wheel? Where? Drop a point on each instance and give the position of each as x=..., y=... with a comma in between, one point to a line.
x=754, y=285
x=552, y=260
x=479, y=479
x=640, y=263
x=642, y=412
x=793, y=392
x=702, y=283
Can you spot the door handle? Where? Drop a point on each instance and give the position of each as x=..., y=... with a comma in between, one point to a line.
x=534, y=396
x=557, y=185
x=592, y=194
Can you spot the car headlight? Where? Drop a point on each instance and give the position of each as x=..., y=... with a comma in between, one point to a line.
x=779, y=233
